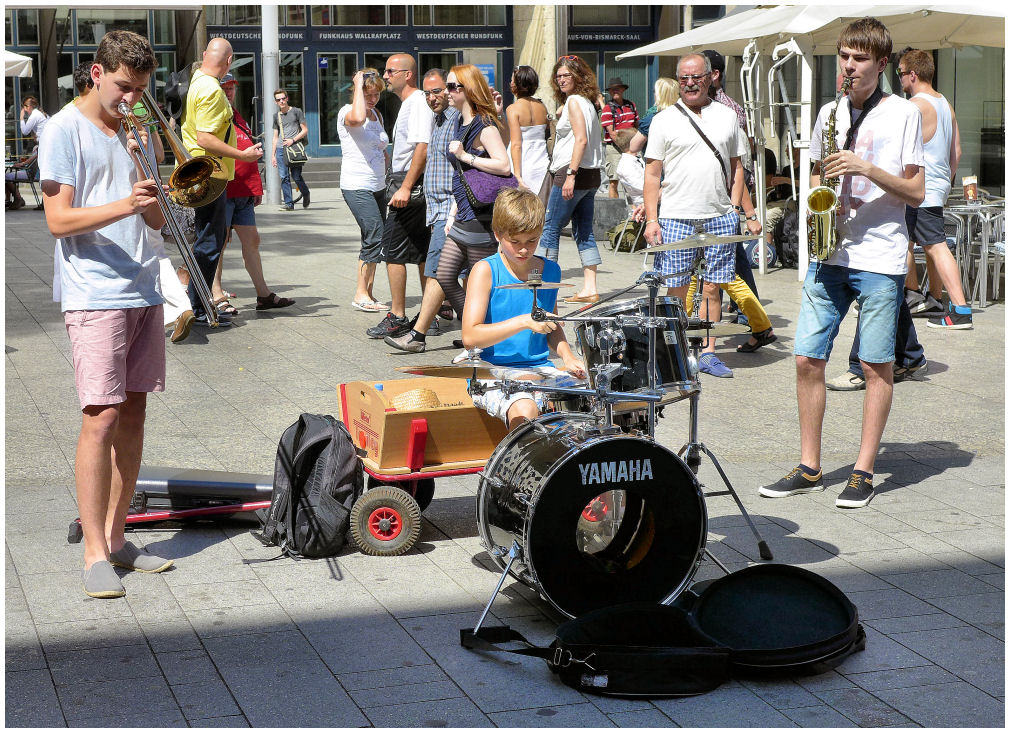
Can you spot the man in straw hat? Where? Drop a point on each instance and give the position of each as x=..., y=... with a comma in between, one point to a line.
x=618, y=114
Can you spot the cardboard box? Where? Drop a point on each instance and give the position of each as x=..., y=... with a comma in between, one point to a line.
x=455, y=435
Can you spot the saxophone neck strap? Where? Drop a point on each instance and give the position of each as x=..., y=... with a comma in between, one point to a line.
x=868, y=105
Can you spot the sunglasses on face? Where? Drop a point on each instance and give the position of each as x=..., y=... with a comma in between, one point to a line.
x=692, y=78
x=434, y=92
x=562, y=77
x=902, y=73
x=395, y=71
x=453, y=86
x=280, y=99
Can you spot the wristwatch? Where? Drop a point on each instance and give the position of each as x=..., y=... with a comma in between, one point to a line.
x=752, y=217
x=570, y=172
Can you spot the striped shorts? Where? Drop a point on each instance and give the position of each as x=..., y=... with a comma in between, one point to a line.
x=720, y=259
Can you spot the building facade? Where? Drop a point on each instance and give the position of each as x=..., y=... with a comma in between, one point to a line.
x=322, y=45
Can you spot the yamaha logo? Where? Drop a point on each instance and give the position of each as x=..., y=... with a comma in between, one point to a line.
x=615, y=471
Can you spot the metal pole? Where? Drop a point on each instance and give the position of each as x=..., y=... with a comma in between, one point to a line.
x=271, y=55
x=806, y=125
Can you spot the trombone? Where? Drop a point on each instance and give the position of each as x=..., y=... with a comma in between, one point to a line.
x=191, y=184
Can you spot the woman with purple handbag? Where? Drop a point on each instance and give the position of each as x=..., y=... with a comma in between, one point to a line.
x=575, y=167
x=482, y=170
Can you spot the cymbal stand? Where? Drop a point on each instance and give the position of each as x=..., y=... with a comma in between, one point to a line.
x=693, y=448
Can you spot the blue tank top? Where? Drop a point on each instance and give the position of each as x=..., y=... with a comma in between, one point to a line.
x=524, y=349
x=937, y=153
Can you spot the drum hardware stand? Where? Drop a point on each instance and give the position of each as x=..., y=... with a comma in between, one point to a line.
x=692, y=451
x=514, y=552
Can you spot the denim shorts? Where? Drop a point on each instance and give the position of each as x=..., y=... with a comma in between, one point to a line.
x=828, y=291
x=369, y=211
x=241, y=211
x=435, y=247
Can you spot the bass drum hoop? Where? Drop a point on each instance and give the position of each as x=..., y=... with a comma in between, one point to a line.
x=524, y=568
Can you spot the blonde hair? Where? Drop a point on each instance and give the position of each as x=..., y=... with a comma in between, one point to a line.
x=372, y=81
x=477, y=92
x=667, y=92
x=517, y=212
x=622, y=138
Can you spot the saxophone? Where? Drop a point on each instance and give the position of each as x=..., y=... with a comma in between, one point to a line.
x=822, y=234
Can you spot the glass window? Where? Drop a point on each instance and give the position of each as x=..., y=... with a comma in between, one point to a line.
x=92, y=25
x=292, y=15
x=640, y=15
x=9, y=118
x=422, y=15
x=166, y=65
x=243, y=68
x=589, y=15
x=443, y=61
x=245, y=15
x=291, y=80
x=8, y=30
x=496, y=15
x=634, y=72
x=359, y=15
x=28, y=27
x=216, y=14
x=164, y=27
x=397, y=15
x=320, y=14
x=65, y=81
x=459, y=14
x=335, y=71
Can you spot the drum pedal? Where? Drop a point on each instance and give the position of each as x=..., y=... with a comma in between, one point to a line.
x=513, y=552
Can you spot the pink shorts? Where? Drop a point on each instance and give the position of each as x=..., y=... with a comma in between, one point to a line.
x=117, y=351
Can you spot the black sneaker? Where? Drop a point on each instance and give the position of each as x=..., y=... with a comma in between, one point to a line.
x=913, y=298
x=928, y=307
x=406, y=342
x=794, y=482
x=223, y=321
x=952, y=321
x=857, y=492
x=389, y=326
x=907, y=372
x=435, y=329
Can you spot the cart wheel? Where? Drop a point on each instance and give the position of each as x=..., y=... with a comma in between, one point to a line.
x=423, y=493
x=753, y=254
x=76, y=533
x=385, y=521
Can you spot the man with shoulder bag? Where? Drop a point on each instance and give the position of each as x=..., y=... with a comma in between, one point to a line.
x=289, y=156
x=405, y=235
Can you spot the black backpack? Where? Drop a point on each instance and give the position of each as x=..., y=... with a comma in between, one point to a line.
x=787, y=238
x=317, y=479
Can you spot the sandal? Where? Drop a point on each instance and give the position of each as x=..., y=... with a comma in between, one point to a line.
x=267, y=302
x=369, y=306
x=763, y=339
x=223, y=306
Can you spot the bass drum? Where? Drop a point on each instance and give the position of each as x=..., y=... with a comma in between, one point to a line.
x=601, y=517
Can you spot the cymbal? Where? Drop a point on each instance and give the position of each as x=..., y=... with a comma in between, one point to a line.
x=709, y=328
x=700, y=239
x=486, y=370
x=530, y=286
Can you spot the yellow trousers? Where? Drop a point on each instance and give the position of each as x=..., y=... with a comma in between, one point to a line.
x=744, y=298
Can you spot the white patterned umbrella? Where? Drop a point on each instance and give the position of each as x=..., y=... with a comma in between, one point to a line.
x=16, y=64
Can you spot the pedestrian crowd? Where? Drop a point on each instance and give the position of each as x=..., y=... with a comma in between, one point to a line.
x=475, y=196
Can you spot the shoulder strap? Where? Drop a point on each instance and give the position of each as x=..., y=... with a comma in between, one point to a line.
x=488, y=638
x=722, y=163
x=868, y=105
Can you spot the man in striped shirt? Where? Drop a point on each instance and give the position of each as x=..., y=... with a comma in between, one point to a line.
x=618, y=114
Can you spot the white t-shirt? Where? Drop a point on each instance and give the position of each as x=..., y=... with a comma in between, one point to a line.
x=413, y=126
x=871, y=223
x=631, y=174
x=363, y=163
x=694, y=183
x=36, y=122
x=115, y=266
x=564, y=138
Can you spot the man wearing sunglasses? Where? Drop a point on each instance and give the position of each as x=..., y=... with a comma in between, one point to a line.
x=405, y=235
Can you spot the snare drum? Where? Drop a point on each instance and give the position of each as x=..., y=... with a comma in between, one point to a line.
x=601, y=517
x=673, y=372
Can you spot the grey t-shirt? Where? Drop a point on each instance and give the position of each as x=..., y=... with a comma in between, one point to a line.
x=111, y=267
x=293, y=120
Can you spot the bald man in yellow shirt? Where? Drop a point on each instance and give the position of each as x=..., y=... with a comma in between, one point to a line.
x=208, y=130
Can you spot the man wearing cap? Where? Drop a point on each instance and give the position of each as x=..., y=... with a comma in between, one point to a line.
x=618, y=114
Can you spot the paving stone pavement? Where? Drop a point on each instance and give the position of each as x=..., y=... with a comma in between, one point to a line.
x=362, y=641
